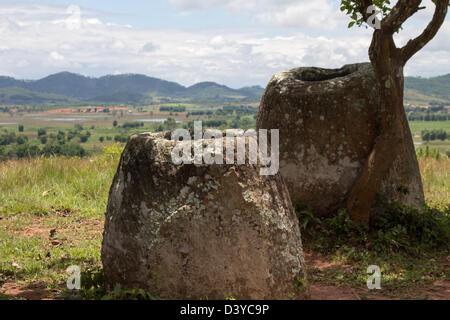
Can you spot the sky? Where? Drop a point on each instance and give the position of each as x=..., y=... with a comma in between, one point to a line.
x=233, y=42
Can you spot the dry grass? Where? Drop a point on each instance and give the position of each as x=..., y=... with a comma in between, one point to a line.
x=436, y=180
x=51, y=217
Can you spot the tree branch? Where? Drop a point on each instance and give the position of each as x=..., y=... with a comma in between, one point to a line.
x=413, y=46
x=399, y=14
x=365, y=4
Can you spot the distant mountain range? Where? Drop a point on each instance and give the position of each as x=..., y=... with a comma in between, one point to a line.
x=72, y=89
x=69, y=88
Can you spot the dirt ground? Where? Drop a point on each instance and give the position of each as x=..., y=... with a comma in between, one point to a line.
x=440, y=290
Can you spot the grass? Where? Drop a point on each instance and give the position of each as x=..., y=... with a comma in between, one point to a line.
x=412, y=256
x=52, y=212
x=38, y=186
x=436, y=181
x=418, y=126
x=419, y=98
x=51, y=217
x=403, y=276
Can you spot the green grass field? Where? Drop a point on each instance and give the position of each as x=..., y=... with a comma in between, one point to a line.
x=418, y=126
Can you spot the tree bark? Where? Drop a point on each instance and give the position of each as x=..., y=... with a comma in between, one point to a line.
x=388, y=62
x=391, y=140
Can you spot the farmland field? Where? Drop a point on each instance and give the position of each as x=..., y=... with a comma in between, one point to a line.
x=104, y=128
x=100, y=124
x=418, y=126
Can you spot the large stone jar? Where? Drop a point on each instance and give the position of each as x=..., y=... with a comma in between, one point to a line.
x=328, y=121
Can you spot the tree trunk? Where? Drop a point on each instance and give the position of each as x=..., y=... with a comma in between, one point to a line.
x=392, y=140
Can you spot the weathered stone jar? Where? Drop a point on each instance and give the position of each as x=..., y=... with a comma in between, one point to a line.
x=328, y=121
x=199, y=231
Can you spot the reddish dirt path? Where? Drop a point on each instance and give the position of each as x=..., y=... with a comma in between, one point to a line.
x=440, y=290
x=36, y=291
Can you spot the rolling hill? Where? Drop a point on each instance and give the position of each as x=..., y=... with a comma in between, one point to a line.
x=427, y=90
x=70, y=88
x=116, y=89
x=21, y=96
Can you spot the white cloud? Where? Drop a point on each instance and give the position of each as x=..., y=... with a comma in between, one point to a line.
x=219, y=42
x=233, y=5
x=56, y=56
x=317, y=14
x=34, y=46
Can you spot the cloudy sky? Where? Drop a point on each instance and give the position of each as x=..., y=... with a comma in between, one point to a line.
x=233, y=42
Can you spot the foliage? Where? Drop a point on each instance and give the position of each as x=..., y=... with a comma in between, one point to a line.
x=392, y=228
x=408, y=229
x=170, y=124
x=70, y=149
x=19, y=146
x=353, y=8
x=428, y=153
x=43, y=139
x=129, y=294
x=92, y=284
x=10, y=138
x=121, y=138
x=422, y=116
x=110, y=154
x=129, y=125
x=172, y=109
x=430, y=135
x=93, y=288
x=308, y=220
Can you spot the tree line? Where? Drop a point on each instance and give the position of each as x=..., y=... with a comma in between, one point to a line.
x=18, y=146
x=431, y=135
